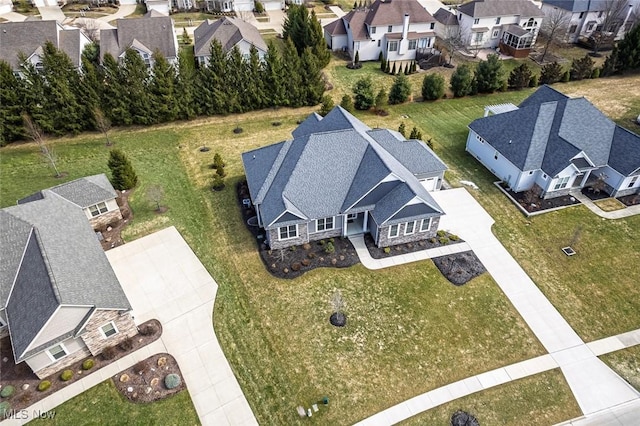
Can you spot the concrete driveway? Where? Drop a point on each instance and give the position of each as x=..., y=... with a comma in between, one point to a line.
x=163, y=279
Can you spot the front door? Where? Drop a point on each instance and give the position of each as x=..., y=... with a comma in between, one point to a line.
x=356, y=223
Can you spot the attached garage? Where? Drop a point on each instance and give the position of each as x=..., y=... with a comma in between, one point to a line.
x=430, y=184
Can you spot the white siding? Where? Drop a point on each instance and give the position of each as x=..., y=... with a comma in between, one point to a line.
x=486, y=154
x=273, y=5
x=41, y=359
x=467, y=27
x=111, y=205
x=430, y=183
x=64, y=320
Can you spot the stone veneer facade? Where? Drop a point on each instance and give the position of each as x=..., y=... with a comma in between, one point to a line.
x=102, y=221
x=93, y=337
x=63, y=363
x=385, y=241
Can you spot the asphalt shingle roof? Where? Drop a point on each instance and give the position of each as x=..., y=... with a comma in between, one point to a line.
x=445, y=17
x=336, y=27
x=577, y=5
x=152, y=32
x=549, y=129
x=391, y=12
x=84, y=192
x=323, y=173
x=491, y=8
x=229, y=32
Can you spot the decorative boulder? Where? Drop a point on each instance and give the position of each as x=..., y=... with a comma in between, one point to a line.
x=461, y=418
x=172, y=381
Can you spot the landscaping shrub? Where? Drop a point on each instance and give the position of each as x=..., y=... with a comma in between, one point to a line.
x=172, y=381
x=432, y=87
x=330, y=248
x=44, y=385
x=5, y=408
x=7, y=391
x=305, y=262
x=461, y=81
x=147, y=329
x=453, y=237
x=259, y=7
x=311, y=255
x=122, y=174
x=444, y=240
x=109, y=352
x=387, y=250
x=295, y=267
x=126, y=344
x=363, y=94
x=88, y=364
x=400, y=91
x=441, y=233
x=66, y=375
x=140, y=367
x=331, y=240
x=551, y=73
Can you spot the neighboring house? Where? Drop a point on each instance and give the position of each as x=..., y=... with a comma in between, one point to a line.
x=146, y=35
x=338, y=177
x=397, y=28
x=230, y=32
x=242, y=5
x=60, y=300
x=557, y=144
x=93, y=194
x=512, y=25
x=585, y=17
x=447, y=27
x=29, y=37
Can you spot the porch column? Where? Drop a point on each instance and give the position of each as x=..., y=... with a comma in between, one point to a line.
x=364, y=222
x=584, y=179
x=344, y=225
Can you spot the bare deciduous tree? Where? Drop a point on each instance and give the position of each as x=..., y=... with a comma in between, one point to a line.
x=155, y=194
x=102, y=123
x=90, y=27
x=554, y=29
x=613, y=14
x=454, y=39
x=35, y=133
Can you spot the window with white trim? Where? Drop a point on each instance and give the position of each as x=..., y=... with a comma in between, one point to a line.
x=393, y=46
x=394, y=231
x=561, y=183
x=373, y=30
x=98, y=209
x=476, y=21
x=325, y=224
x=288, y=232
x=109, y=329
x=390, y=28
x=496, y=33
x=57, y=352
x=498, y=20
x=412, y=44
x=631, y=184
x=410, y=228
x=544, y=176
x=425, y=225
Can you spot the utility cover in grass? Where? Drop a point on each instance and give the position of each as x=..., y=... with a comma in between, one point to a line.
x=338, y=319
x=461, y=418
x=459, y=268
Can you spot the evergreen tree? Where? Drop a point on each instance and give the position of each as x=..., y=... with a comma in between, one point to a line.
x=415, y=133
x=61, y=97
x=551, y=73
x=34, y=99
x=566, y=77
x=489, y=74
x=91, y=53
x=387, y=69
x=185, y=87
x=629, y=50
x=611, y=64
x=347, y=103
x=326, y=106
x=312, y=84
x=136, y=76
x=363, y=94
x=90, y=88
x=461, y=81
x=393, y=69
x=383, y=62
x=256, y=96
x=356, y=60
x=402, y=129
x=581, y=68
x=432, y=87
x=115, y=92
x=405, y=70
x=400, y=90
x=12, y=96
x=274, y=77
x=381, y=100
x=122, y=174
x=305, y=30
x=236, y=81
x=520, y=77
x=291, y=66
x=185, y=36
x=162, y=90
x=211, y=90
x=534, y=81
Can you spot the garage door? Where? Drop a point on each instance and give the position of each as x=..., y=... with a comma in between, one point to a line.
x=429, y=184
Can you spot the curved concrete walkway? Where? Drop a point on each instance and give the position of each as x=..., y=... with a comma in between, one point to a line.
x=594, y=385
x=616, y=214
x=13, y=17
x=163, y=279
x=123, y=11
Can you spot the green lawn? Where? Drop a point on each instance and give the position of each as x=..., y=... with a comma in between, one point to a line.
x=104, y=404
x=409, y=330
x=626, y=363
x=543, y=397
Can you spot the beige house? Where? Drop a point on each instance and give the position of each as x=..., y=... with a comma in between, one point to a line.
x=60, y=300
x=230, y=32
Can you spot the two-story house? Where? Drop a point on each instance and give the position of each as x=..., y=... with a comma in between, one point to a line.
x=511, y=25
x=397, y=28
x=230, y=32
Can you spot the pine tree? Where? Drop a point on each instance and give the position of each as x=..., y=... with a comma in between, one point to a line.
x=292, y=76
x=356, y=60
x=402, y=130
x=363, y=94
x=387, y=68
x=393, y=69
x=185, y=87
x=415, y=133
x=210, y=83
x=256, y=97
x=136, y=76
x=405, y=71
x=122, y=174
x=551, y=73
x=432, y=87
x=12, y=91
x=236, y=81
x=162, y=91
x=305, y=30
x=520, y=77
x=381, y=100
x=114, y=92
x=347, y=103
x=326, y=106
x=34, y=96
x=400, y=90
x=581, y=68
x=461, y=81
x=91, y=80
x=312, y=84
x=489, y=74
x=382, y=61
x=274, y=77
x=219, y=165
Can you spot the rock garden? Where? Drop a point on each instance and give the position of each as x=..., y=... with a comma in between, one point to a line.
x=20, y=387
x=151, y=379
x=442, y=238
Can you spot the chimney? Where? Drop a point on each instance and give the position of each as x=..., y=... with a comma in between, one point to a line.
x=405, y=26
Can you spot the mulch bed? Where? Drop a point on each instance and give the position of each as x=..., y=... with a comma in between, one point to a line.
x=380, y=253
x=111, y=234
x=144, y=381
x=594, y=195
x=294, y=261
x=21, y=375
x=459, y=268
x=537, y=204
x=630, y=200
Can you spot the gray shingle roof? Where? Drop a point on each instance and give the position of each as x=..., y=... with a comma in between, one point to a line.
x=84, y=192
x=64, y=265
x=413, y=154
x=336, y=27
x=549, y=129
x=445, y=17
x=229, y=32
x=322, y=173
x=577, y=5
x=491, y=8
x=391, y=12
x=153, y=32
x=26, y=37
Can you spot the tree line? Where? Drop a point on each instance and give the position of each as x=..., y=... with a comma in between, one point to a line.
x=62, y=99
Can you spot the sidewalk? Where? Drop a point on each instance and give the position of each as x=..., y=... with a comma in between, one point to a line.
x=13, y=17
x=123, y=11
x=616, y=214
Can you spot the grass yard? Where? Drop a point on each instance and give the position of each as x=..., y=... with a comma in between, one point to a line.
x=626, y=363
x=543, y=396
x=609, y=204
x=103, y=403
x=409, y=330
